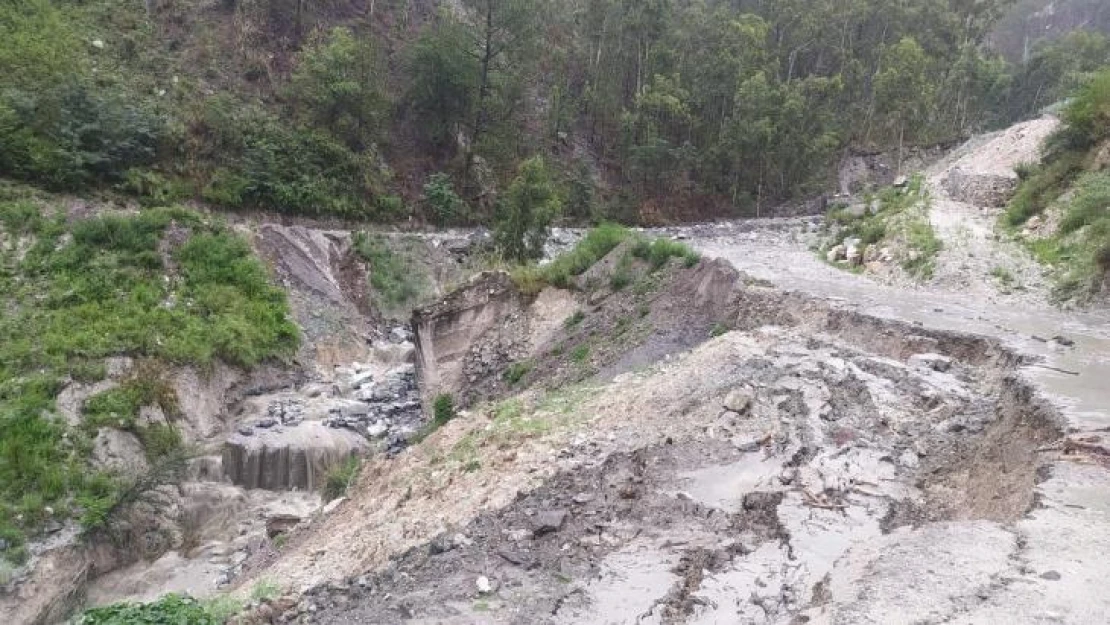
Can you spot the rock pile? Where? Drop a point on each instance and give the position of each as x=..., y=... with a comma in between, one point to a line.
x=388, y=408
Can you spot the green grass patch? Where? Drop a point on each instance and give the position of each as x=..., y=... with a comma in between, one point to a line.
x=1040, y=186
x=170, y=609
x=598, y=242
x=340, y=478
x=923, y=248
x=101, y=287
x=394, y=275
x=516, y=372
x=572, y=321
x=897, y=216
x=560, y=272
x=1004, y=276
x=657, y=252
x=580, y=354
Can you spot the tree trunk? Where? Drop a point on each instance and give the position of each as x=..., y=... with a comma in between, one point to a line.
x=483, y=93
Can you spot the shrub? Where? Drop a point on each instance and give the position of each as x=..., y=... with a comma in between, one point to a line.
x=525, y=213
x=1090, y=204
x=443, y=409
x=69, y=135
x=257, y=160
x=658, y=251
x=171, y=609
x=1088, y=114
x=340, y=478
x=392, y=276
x=516, y=372
x=445, y=206
x=1042, y=185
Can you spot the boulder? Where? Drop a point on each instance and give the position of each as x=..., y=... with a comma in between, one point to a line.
x=853, y=255
x=835, y=253
x=548, y=522
x=738, y=401
x=120, y=451
x=281, y=524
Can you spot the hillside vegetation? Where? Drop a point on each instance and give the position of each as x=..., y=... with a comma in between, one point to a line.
x=643, y=111
x=1065, y=200
x=164, y=287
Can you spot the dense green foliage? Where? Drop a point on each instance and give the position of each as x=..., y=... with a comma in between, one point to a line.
x=530, y=204
x=1079, y=249
x=563, y=270
x=396, y=279
x=642, y=111
x=169, y=610
x=77, y=292
x=340, y=478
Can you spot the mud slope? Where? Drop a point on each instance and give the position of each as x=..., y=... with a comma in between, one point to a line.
x=760, y=477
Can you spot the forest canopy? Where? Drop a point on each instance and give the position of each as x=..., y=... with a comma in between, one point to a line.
x=642, y=109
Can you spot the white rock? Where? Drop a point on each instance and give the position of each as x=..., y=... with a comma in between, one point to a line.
x=484, y=585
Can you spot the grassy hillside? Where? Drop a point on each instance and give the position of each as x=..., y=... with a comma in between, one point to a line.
x=1064, y=201
x=164, y=287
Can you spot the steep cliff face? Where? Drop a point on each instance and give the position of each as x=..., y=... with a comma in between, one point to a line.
x=295, y=458
x=481, y=323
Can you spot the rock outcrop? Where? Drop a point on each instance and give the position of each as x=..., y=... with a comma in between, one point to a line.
x=291, y=458
x=478, y=320
x=980, y=189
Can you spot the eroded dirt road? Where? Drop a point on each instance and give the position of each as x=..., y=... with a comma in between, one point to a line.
x=851, y=452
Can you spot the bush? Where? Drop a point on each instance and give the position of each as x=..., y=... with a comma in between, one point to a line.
x=392, y=275
x=516, y=372
x=443, y=409
x=1088, y=114
x=171, y=609
x=340, y=478
x=1042, y=185
x=69, y=136
x=257, y=160
x=658, y=251
x=445, y=206
x=526, y=212
x=1090, y=204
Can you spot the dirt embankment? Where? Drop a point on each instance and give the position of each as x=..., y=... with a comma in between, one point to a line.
x=717, y=478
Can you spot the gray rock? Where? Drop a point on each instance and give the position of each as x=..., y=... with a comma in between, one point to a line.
x=484, y=585
x=1063, y=340
x=548, y=522
x=738, y=401
x=936, y=362
x=1051, y=576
